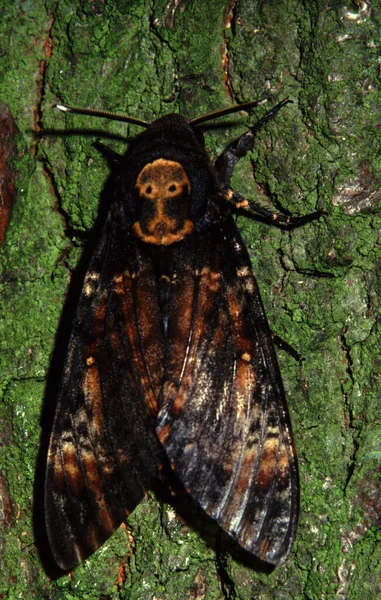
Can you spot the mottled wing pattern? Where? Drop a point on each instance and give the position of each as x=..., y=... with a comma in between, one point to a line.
x=223, y=419
x=104, y=451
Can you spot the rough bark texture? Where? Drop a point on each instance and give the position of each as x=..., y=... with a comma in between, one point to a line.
x=320, y=283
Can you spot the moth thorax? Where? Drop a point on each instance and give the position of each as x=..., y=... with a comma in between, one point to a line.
x=164, y=190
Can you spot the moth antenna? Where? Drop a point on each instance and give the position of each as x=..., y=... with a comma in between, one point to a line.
x=227, y=111
x=237, y=107
x=103, y=114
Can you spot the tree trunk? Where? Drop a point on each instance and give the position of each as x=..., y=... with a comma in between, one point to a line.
x=320, y=283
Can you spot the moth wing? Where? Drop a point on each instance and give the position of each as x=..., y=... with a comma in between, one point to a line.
x=223, y=420
x=103, y=451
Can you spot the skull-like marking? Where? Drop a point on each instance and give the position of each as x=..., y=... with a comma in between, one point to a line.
x=164, y=192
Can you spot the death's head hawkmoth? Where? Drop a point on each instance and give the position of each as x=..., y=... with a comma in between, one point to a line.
x=171, y=362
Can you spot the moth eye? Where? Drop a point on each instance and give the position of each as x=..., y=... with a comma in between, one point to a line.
x=172, y=188
x=149, y=189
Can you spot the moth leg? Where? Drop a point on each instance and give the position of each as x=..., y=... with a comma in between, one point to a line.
x=283, y=345
x=238, y=148
x=269, y=216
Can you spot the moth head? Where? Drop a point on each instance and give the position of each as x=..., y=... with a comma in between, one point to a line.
x=165, y=180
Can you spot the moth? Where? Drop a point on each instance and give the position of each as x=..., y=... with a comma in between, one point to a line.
x=171, y=362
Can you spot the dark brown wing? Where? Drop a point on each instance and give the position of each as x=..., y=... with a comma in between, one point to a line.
x=223, y=418
x=104, y=451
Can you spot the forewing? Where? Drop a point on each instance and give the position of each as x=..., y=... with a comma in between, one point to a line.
x=104, y=451
x=223, y=418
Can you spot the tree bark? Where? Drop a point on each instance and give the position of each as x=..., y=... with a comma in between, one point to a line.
x=320, y=283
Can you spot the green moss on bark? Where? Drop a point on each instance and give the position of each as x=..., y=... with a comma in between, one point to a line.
x=320, y=283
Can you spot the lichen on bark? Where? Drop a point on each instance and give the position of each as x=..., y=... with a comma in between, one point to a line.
x=320, y=283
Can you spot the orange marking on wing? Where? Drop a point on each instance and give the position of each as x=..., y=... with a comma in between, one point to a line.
x=71, y=469
x=209, y=286
x=91, y=469
x=96, y=486
x=59, y=474
x=93, y=395
x=243, y=343
x=180, y=333
x=283, y=462
x=151, y=359
x=151, y=400
x=244, y=386
x=246, y=471
x=247, y=280
x=149, y=323
x=268, y=463
x=118, y=284
x=164, y=433
x=283, y=467
x=182, y=396
x=91, y=379
x=210, y=279
x=92, y=536
x=88, y=285
x=264, y=548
